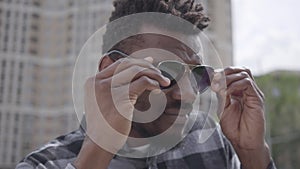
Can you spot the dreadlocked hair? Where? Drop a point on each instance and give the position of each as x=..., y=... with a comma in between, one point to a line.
x=188, y=10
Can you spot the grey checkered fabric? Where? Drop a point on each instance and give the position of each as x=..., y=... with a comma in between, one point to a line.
x=215, y=153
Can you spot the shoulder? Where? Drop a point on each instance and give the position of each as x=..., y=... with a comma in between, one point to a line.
x=57, y=153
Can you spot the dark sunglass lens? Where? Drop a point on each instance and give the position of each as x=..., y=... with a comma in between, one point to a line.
x=203, y=76
x=171, y=70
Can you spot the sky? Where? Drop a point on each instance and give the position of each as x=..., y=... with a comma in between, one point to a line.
x=266, y=34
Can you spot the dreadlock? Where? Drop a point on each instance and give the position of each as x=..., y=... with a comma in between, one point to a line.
x=186, y=9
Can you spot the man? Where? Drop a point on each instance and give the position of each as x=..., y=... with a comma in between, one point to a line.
x=127, y=66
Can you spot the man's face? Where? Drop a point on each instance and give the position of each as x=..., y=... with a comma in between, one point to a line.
x=180, y=97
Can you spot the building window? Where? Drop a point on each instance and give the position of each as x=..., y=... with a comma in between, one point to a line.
x=69, y=27
x=7, y=14
x=33, y=51
x=35, y=16
x=34, y=39
x=70, y=16
x=36, y=3
x=25, y=16
x=2, y=80
x=6, y=37
x=17, y=116
x=7, y=118
x=34, y=27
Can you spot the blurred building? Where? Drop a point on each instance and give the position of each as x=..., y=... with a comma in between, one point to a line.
x=220, y=29
x=218, y=50
x=39, y=41
x=282, y=95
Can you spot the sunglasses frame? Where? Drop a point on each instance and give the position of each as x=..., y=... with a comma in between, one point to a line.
x=187, y=67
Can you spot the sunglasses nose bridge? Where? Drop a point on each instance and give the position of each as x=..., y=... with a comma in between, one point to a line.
x=198, y=75
x=188, y=68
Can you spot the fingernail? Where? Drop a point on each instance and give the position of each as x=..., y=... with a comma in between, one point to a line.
x=149, y=59
x=167, y=80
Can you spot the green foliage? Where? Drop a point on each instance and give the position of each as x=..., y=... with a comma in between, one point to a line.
x=282, y=94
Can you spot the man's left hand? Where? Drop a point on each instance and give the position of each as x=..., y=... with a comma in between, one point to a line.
x=242, y=120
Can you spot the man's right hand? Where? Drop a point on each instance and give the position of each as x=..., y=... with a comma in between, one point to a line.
x=115, y=88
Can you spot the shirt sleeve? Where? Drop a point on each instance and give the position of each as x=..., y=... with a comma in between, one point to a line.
x=57, y=154
x=24, y=165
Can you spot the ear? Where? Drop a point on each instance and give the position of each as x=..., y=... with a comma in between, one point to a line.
x=104, y=63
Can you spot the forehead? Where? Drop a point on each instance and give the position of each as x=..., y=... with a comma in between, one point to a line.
x=163, y=47
x=190, y=40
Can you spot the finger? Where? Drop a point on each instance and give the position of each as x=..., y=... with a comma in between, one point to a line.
x=135, y=72
x=122, y=64
x=234, y=70
x=140, y=85
x=219, y=82
x=244, y=72
x=240, y=76
x=244, y=87
x=236, y=77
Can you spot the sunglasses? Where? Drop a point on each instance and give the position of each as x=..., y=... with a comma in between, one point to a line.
x=200, y=75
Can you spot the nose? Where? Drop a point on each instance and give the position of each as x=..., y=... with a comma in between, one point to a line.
x=184, y=90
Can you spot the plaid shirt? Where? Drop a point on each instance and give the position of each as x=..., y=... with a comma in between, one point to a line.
x=215, y=153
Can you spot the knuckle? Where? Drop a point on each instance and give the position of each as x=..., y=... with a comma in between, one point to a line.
x=245, y=74
x=248, y=81
x=248, y=71
x=147, y=81
x=230, y=68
